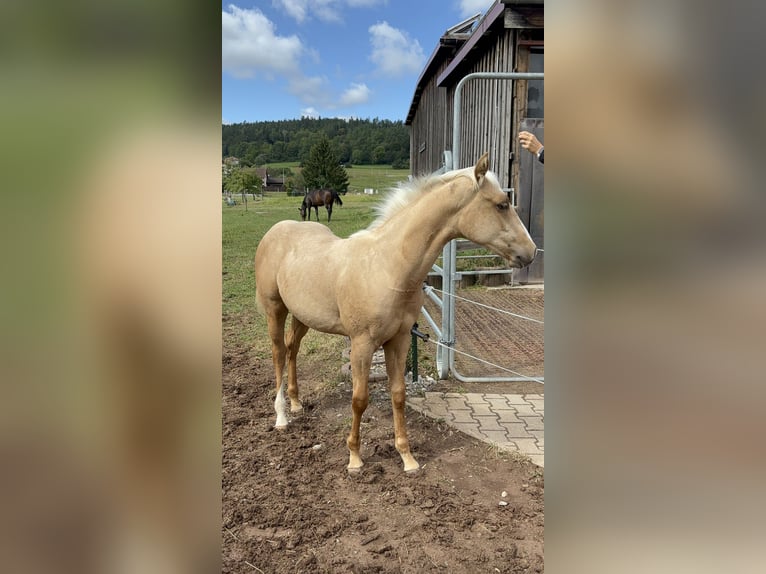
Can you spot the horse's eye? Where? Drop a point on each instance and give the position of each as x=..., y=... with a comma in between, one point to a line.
x=503, y=206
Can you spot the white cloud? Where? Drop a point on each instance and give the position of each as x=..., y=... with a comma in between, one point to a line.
x=311, y=90
x=471, y=7
x=297, y=9
x=325, y=10
x=394, y=52
x=249, y=44
x=309, y=112
x=355, y=94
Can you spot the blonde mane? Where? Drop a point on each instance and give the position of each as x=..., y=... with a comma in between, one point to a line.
x=407, y=192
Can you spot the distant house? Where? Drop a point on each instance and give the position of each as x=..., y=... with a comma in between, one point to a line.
x=270, y=182
x=231, y=161
x=508, y=38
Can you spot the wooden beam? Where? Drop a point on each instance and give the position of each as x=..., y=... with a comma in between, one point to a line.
x=523, y=19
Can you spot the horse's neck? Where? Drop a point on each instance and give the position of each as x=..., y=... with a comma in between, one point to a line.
x=417, y=234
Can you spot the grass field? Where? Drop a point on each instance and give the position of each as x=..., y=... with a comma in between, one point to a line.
x=378, y=177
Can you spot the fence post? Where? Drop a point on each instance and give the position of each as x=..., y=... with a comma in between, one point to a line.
x=415, y=336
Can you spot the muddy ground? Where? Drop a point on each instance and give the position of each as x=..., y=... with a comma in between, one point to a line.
x=290, y=506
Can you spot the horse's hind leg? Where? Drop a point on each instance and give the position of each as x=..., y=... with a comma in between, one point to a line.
x=294, y=336
x=276, y=314
x=396, y=358
x=329, y=212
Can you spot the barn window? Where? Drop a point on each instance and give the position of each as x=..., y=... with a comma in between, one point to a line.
x=535, y=89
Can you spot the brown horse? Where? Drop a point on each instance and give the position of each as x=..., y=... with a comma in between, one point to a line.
x=369, y=285
x=317, y=198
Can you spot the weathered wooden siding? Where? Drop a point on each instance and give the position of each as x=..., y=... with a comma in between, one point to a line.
x=487, y=117
x=487, y=110
x=430, y=132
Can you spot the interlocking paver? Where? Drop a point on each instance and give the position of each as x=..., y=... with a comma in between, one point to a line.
x=496, y=437
x=525, y=411
x=472, y=430
x=528, y=446
x=533, y=423
x=516, y=399
x=483, y=410
x=499, y=404
x=508, y=417
x=488, y=423
x=516, y=430
x=458, y=404
x=512, y=422
x=537, y=404
x=461, y=417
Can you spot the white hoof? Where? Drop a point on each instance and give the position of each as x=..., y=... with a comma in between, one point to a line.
x=281, y=421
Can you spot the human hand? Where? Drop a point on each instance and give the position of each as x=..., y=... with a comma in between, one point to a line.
x=529, y=142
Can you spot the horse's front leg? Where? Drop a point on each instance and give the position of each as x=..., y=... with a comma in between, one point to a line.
x=361, y=359
x=396, y=359
x=329, y=212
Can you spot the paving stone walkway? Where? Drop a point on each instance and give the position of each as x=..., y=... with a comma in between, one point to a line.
x=511, y=422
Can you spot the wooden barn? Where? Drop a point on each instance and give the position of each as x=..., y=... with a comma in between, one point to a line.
x=508, y=38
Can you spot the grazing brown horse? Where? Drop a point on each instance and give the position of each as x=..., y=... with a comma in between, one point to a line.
x=316, y=198
x=369, y=285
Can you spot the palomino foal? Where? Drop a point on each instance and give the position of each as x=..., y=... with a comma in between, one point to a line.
x=369, y=286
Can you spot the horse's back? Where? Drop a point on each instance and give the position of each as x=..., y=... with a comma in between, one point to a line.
x=289, y=231
x=289, y=244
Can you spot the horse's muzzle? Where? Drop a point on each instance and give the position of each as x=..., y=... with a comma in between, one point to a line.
x=522, y=261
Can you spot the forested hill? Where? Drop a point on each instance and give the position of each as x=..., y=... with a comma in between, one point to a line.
x=355, y=141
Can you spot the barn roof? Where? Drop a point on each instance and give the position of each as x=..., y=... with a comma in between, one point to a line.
x=448, y=44
x=489, y=25
x=459, y=44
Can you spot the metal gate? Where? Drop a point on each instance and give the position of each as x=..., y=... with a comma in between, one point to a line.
x=445, y=352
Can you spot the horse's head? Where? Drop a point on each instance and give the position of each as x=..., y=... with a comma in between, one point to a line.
x=490, y=220
x=303, y=210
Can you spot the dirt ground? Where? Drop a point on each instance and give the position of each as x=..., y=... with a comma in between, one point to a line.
x=290, y=506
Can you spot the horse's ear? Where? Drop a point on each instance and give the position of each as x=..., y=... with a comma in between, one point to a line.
x=480, y=170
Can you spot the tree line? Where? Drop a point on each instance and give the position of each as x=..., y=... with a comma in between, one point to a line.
x=354, y=141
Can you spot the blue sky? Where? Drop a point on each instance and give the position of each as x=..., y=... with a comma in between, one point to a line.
x=285, y=59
